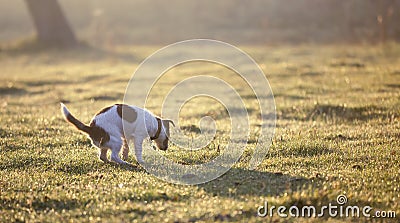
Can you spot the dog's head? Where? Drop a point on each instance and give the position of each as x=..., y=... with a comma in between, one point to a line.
x=162, y=140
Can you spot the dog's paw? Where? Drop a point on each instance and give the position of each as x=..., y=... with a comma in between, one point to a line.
x=125, y=163
x=140, y=162
x=105, y=160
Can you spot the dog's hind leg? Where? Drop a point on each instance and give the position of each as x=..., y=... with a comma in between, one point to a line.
x=125, y=149
x=115, y=149
x=103, y=155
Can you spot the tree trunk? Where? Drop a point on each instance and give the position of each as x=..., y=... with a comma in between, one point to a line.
x=385, y=11
x=51, y=26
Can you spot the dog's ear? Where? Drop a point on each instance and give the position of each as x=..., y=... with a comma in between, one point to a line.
x=167, y=121
x=166, y=125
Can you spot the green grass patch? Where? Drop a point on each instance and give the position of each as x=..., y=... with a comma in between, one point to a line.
x=338, y=110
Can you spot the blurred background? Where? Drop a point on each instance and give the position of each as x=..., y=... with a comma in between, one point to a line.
x=107, y=23
x=334, y=70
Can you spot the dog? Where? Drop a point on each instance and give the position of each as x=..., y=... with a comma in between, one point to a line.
x=115, y=126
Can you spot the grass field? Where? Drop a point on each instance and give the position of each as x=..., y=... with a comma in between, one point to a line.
x=338, y=132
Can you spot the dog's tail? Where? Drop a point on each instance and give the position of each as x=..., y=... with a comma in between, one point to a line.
x=70, y=118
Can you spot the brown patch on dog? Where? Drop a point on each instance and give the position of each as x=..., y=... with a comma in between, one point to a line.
x=78, y=123
x=98, y=134
x=103, y=110
x=165, y=143
x=126, y=112
x=158, y=129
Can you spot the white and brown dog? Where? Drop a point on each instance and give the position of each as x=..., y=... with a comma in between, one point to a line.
x=114, y=126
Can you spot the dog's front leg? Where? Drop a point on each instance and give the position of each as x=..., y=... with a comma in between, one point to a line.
x=138, y=142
